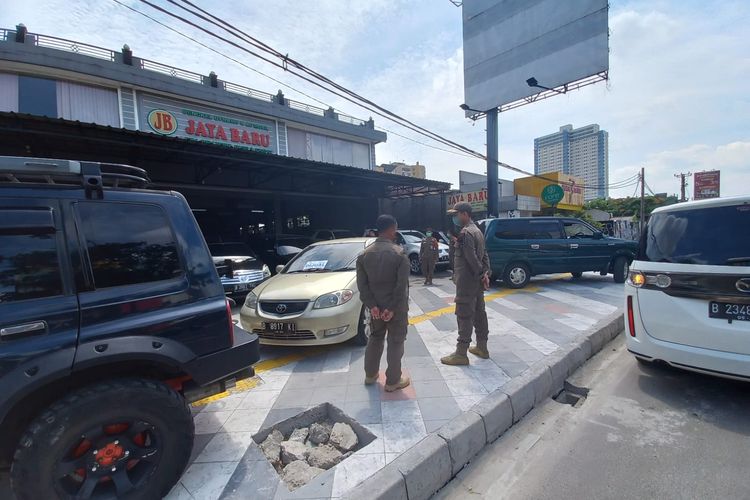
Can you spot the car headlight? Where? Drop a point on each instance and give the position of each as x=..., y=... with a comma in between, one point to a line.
x=266, y=271
x=251, y=301
x=333, y=299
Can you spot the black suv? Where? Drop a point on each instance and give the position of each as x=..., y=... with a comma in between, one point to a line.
x=112, y=319
x=522, y=247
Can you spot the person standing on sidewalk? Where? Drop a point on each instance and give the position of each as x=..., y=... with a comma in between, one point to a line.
x=428, y=256
x=471, y=275
x=383, y=282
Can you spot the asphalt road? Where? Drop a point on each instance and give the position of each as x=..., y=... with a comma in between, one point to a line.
x=642, y=432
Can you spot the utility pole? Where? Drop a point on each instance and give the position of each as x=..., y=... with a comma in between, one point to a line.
x=643, y=198
x=492, y=155
x=683, y=183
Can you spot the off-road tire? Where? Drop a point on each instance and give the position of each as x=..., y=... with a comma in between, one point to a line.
x=620, y=269
x=513, y=272
x=49, y=439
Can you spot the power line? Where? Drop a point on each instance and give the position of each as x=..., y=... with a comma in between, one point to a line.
x=350, y=95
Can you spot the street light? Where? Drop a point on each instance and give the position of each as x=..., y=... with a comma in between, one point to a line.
x=532, y=82
x=477, y=114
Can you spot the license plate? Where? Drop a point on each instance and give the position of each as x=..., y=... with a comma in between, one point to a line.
x=278, y=327
x=240, y=288
x=729, y=311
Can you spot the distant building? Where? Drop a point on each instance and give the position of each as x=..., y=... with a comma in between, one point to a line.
x=581, y=152
x=418, y=171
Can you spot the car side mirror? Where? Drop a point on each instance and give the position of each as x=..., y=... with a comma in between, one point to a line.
x=279, y=268
x=598, y=235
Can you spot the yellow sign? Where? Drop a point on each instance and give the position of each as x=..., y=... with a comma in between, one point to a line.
x=477, y=200
x=572, y=189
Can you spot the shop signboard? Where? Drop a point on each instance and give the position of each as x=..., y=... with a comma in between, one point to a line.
x=170, y=117
x=477, y=199
x=707, y=184
x=552, y=194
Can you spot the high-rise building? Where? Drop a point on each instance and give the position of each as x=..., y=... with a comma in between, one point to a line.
x=581, y=152
x=400, y=168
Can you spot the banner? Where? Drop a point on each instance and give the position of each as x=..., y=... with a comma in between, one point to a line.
x=477, y=200
x=707, y=185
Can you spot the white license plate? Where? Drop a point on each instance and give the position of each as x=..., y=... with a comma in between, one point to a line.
x=278, y=327
x=729, y=311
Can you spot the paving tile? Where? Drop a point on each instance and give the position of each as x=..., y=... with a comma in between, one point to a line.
x=465, y=387
x=225, y=447
x=326, y=394
x=254, y=477
x=259, y=399
x=364, y=412
x=446, y=323
x=334, y=379
x=199, y=443
x=431, y=388
x=292, y=398
x=246, y=420
x=424, y=373
x=206, y=481
x=180, y=493
x=362, y=392
x=210, y=422
x=278, y=415
x=272, y=383
x=301, y=381
x=354, y=470
x=378, y=444
x=466, y=402
x=438, y=408
x=400, y=411
x=228, y=403
x=414, y=346
x=400, y=436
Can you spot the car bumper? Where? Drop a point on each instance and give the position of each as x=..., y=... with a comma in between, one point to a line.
x=709, y=361
x=313, y=327
x=232, y=363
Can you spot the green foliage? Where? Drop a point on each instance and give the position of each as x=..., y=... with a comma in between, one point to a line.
x=629, y=207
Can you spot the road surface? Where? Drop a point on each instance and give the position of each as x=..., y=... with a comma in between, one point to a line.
x=651, y=432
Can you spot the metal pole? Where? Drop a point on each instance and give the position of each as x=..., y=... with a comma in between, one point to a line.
x=643, y=197
x=492, y=154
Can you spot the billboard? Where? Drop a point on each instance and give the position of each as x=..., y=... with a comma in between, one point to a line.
x=707, y=184
x=572, y=188
x=506, y=42
x=170, y=117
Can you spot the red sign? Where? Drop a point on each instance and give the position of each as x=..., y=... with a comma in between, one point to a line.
x=707, y=185
x=162, y=122
x=216, y=131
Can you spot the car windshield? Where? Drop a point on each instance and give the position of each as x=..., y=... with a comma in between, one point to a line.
x=414, y=234
x=409, y=238
x=326, y=258
x=230, y=250
x=717, y=236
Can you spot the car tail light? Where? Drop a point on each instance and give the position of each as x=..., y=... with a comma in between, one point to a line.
x=631, y=316
x=231, y=322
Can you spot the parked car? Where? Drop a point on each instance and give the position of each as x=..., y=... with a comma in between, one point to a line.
x=522, y=247
x=278, y=250
x=112, y=319
x=332, y=234
x=411, y=242
x=314, y=300
x=687, y=300
x=239, y=269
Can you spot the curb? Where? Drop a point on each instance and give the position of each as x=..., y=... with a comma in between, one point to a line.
x=430, y=464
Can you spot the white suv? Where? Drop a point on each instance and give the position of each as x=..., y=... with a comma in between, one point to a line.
x=688, y=292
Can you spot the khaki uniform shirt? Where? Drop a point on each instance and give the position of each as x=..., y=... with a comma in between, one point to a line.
x=471, y=261
x=428, y=250
x=383, y=276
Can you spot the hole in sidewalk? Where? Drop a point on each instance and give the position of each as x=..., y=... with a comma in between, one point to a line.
x=309, y=443
x=572, y=395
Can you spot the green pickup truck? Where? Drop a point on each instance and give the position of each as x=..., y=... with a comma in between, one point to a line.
x=522, y=247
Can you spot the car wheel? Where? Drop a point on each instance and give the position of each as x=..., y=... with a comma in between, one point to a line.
x=620, y=269
x=517, y=275
x=577, y=274
x=128, y=438
x=414, y=265
x=365, y=327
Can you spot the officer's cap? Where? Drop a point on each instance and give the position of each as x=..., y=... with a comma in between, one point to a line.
x=461, y=206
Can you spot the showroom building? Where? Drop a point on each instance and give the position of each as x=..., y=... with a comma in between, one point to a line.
x=249, y=162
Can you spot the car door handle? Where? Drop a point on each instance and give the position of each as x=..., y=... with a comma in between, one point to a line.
x=36, y=326
x=574, y=245
x=535, y=246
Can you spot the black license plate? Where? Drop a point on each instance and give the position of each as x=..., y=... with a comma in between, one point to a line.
x=241, y=288
x=729, y=311
x=278, y=327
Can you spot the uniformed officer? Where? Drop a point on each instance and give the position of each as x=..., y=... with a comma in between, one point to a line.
x=383, y=282
x=471, y=275
x=428, y=256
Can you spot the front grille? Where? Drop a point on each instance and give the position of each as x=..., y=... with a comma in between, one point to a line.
x=283, y=308
x=298, y=335
x=249, y=277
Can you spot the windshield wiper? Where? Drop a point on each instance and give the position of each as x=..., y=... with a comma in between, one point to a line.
x=348, y=268
x=737, y=260
x=309, y=271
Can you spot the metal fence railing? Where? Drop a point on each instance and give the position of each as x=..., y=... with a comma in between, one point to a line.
x=52, y=42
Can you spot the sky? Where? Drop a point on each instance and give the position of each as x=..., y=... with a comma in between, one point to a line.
x=678, y=98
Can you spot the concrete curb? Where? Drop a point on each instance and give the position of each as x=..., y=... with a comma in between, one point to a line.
x=426, y=467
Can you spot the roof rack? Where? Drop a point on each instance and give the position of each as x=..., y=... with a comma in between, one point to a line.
x=92, y=176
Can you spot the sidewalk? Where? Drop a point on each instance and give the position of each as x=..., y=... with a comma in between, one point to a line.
x=525, y=326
